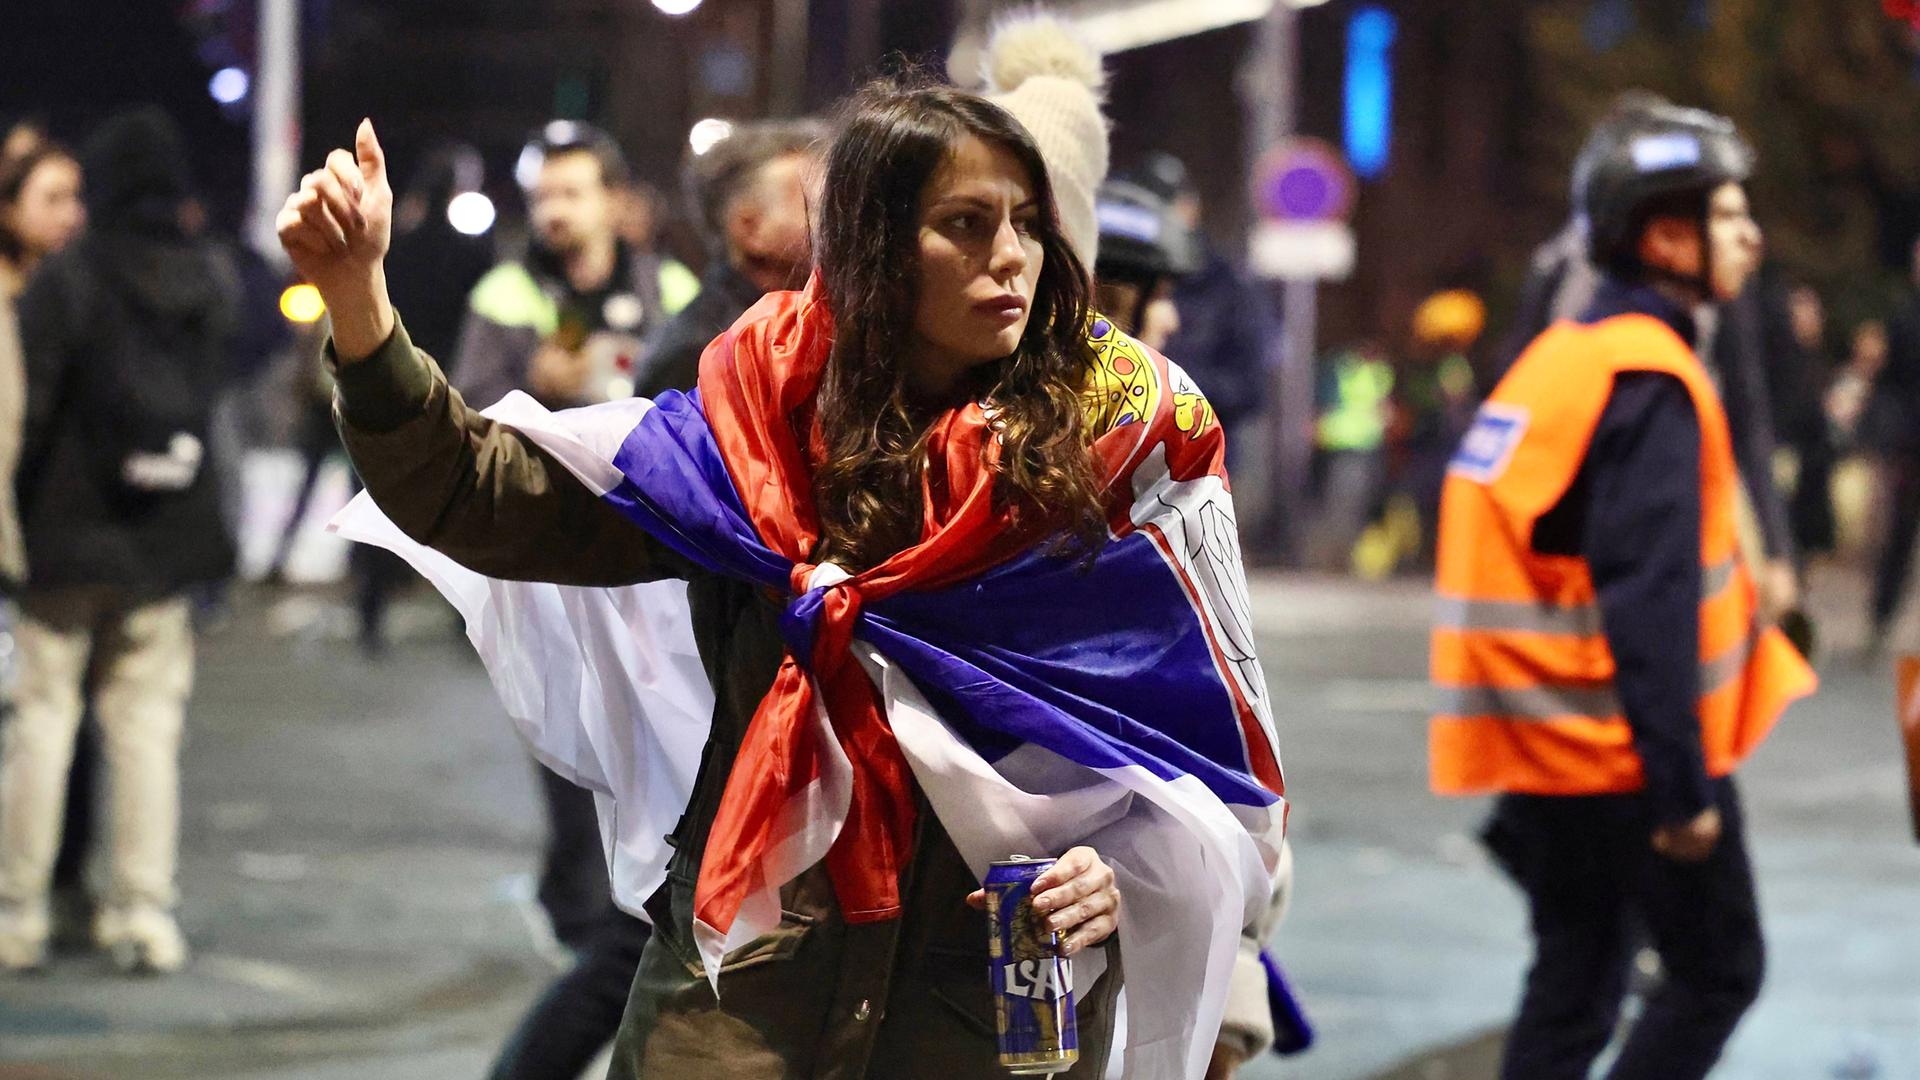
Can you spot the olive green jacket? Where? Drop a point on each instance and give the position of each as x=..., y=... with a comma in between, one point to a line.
x=816, y=998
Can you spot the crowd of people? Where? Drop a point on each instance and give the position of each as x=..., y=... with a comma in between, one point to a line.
x=882, y=299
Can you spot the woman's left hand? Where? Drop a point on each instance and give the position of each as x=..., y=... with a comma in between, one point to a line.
x=1078, y=895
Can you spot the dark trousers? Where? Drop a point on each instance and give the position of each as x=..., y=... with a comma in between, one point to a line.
x=1597, y=891
x=1903, y=522
x=1810, y=514
x=579, y=1012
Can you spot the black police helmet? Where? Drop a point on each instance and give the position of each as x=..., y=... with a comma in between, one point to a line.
x=1649, y=160
x=1141, y=238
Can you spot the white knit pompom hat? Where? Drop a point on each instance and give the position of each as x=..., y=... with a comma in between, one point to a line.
x=1038, y=69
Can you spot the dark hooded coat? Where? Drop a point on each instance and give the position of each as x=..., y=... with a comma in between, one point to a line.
x=125, y=335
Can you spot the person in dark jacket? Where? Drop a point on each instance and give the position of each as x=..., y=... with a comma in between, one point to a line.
x=1227, y=323
x=1561, y=283
x=1805, y=366
x=566, y=321
x=435, y=266
x=125, y=335
x=750, y=191
x=1894, y=431
x=1610, y=845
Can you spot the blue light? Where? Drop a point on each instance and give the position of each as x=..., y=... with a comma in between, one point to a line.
x=1369, y=90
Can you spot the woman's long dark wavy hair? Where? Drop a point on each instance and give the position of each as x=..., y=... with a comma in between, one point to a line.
x=894, y=136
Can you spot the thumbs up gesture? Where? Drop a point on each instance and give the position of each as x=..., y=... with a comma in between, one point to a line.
x=336, y=229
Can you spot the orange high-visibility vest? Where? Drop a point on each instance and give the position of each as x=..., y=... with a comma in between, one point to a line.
x=1523, y=669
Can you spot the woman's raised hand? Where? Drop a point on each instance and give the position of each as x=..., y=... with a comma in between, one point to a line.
x=336, y=229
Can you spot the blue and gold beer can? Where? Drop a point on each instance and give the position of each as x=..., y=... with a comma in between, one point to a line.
x=1032, y=982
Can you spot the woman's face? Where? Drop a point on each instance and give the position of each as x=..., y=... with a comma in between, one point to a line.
x=49, y=212
x=979, y=263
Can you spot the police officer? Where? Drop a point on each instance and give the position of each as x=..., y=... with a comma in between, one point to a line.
x=1599, y=651
x=1145, y=249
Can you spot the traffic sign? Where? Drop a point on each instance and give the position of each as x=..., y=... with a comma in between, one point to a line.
x=1301, y=250
x=1303, y=179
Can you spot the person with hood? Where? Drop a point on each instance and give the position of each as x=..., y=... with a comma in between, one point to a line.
x=125, y=335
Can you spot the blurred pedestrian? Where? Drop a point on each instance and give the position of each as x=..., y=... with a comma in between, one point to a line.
x=1801, y=417
x=566, y=321
x=1848, y=400
x=750, y=194
x=1145, y=250
x=1353, y=401
x=1732, y=342
x=1227, y=323
x=1598, y=649
x=1433, y=402
x=125, y=334
x=641, y=217
x=1895, y=431
x=41, y=212
x=433, y=269
x=434, y=266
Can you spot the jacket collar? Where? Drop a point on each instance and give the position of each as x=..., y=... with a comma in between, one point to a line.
x=1617, y=297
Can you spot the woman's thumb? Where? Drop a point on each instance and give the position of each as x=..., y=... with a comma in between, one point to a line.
x=366, y=146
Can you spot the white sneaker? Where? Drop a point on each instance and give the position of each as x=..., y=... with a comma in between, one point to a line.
x=24, y=928
x=142, y=940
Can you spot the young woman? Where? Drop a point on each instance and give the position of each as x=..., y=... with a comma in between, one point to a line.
x=40, y=211
x=935, y=459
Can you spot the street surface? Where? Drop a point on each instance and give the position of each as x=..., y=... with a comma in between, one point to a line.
x=360, y=837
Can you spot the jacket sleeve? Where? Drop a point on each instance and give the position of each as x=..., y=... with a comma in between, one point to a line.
x=673, y=360
x=476, y=490
x=49, y=322
x=1641, y=538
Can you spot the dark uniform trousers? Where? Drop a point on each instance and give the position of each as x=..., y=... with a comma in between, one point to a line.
x=1597, y=891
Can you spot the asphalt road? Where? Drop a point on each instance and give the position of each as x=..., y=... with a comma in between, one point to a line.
x=359, y=838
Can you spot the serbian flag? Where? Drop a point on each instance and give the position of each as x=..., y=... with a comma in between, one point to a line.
x=1040, y=698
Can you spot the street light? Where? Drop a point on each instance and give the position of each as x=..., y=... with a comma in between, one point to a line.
x=302, y=304
x=470, y=213
x=676, y=7
x=228, y=85
x=708, y=134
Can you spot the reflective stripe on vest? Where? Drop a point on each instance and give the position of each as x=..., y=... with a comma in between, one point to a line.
x=1523, y=672
x=1579, y=620
x=1537, y=703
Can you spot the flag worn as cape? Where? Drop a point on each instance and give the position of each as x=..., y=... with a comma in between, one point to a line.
x=1038, y=699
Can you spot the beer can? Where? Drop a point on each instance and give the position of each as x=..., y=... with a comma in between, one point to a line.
x=1032, y=982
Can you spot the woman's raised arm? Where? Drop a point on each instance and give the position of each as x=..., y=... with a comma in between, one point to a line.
x=454, y=480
